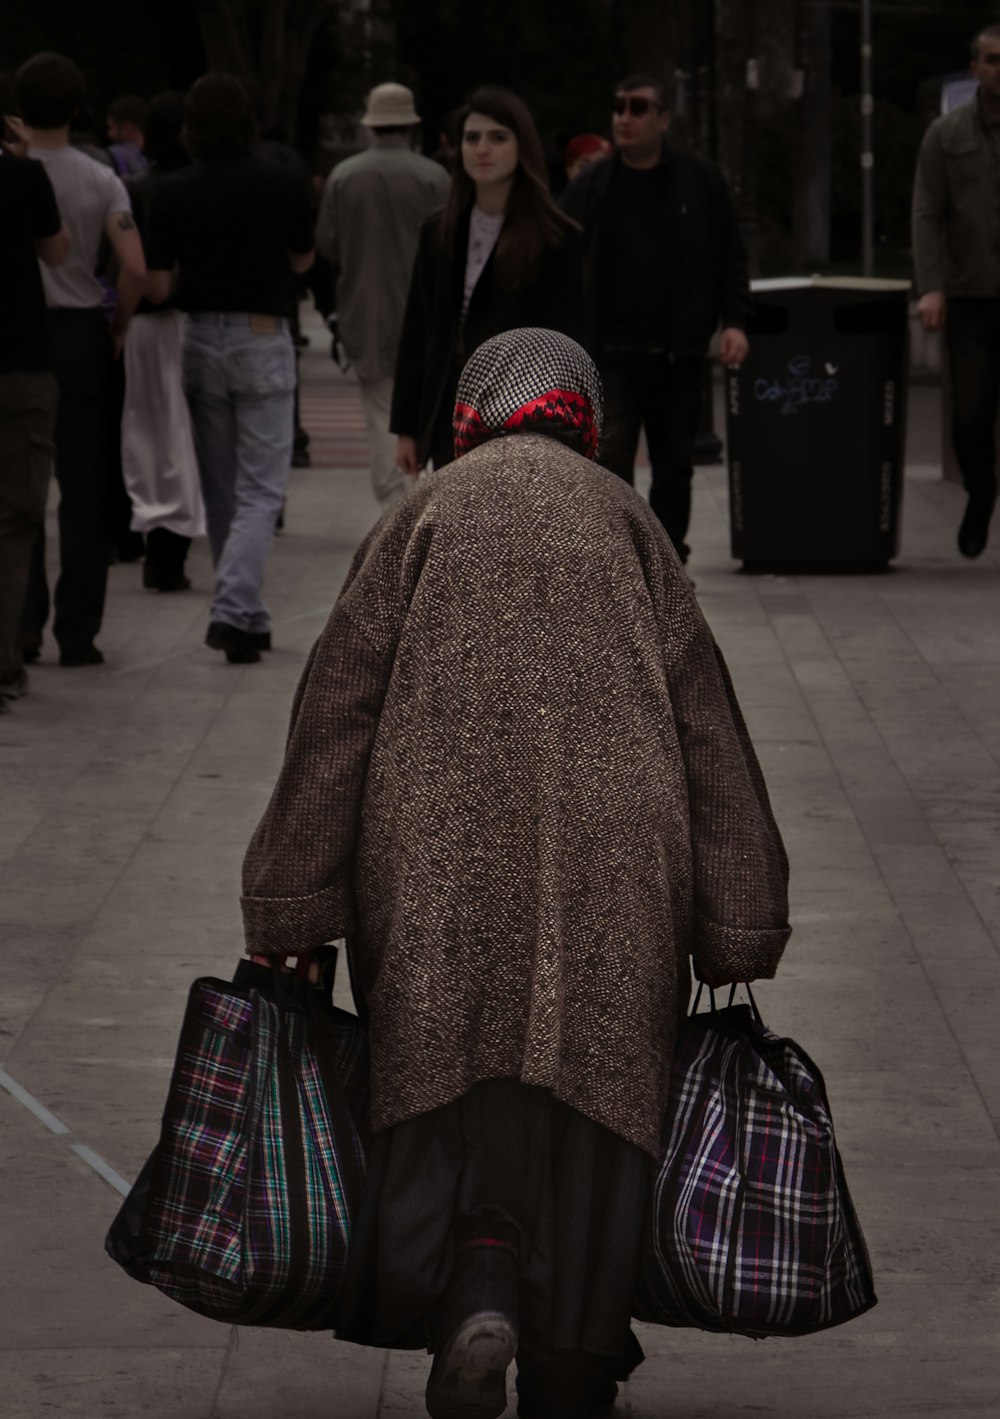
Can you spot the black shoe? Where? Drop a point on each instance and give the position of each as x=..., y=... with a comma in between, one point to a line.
x=13, y=686
x=478, y=1318
x=129, y=548
x=215, y=636
x=156, y=578
x=81, y=655
x=238, y=645
x=301, y=458
x=975, y=529
x=31, y=649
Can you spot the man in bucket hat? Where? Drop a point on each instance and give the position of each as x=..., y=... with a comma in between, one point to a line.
x=373, y=206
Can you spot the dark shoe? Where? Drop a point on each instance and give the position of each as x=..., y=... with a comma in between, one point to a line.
x=31, y=649
x=4, y=705
x=301, y=458
x=81, y=655
x=478, y=1318
x=157, y=579
x=129, y=548
x=13, y=686
x=975, y=529
x=216, y=636
x=238, y=645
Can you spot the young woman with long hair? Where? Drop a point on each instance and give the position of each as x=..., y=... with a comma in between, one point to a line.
x=500, y=256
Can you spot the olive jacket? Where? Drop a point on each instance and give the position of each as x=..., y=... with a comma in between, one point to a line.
x=518, y=781
x=956, y=206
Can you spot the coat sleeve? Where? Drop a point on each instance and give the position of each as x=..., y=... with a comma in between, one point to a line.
x=740, y=869
x=405, y=415
x=930, y=197
x=735, y=305
x=326, y=224
x=297, y=874
x=564, y=301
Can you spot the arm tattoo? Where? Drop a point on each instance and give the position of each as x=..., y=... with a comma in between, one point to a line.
x=125, y=222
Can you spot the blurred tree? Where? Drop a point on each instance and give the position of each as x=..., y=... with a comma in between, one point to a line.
x=266, y=42
x=812, y=185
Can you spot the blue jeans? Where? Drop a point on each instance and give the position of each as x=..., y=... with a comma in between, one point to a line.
x=239, y=376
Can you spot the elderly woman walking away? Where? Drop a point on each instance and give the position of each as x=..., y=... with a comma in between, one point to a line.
x=501, y=255
x=518, y=781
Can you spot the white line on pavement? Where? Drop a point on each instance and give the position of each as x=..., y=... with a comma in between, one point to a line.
x=101, y=1168
x=55, y=1125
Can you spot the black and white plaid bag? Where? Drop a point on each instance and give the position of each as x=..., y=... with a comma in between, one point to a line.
x=753, y=1229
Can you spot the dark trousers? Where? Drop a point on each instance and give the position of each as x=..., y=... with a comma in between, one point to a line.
x=27, y=421
x=973, y=334
x=664, y=395
x=82, y=364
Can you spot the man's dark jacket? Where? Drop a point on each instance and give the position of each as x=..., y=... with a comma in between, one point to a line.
x=706, y=256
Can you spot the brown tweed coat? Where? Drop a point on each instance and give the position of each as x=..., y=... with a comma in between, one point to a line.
x=518, y=781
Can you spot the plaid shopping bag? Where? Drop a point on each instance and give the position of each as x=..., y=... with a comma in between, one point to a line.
x=753, y=1230
x=243, y=1211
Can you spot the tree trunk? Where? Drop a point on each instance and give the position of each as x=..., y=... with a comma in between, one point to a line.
x=224, y=34
x=273, y=58
x=813, y=142
x=657, y=37
x=737, y=73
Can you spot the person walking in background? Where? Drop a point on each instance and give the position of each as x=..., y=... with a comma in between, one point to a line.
x=517, y=778
x=127, y=135
x=237, y=228
x=500, y=255
x=31, y=230
x=583, y=151
x=94, y=205
x=370, y=217
x=956, y=238
x=159, y=464
x=665, y=266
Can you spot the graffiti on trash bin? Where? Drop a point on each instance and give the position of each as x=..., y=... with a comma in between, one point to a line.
x=797, y=388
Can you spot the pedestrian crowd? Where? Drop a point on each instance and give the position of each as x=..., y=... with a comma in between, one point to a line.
x=517, y=780
x=150, y=319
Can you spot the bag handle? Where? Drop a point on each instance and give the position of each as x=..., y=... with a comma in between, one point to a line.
x=713, y=1008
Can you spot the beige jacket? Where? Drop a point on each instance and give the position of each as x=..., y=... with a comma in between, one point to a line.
x=370, y=217
x=518, y=780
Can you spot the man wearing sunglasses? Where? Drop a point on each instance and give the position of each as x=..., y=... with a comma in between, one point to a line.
x=665, y=267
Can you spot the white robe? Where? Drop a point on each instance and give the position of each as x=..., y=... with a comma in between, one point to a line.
x=158, y=456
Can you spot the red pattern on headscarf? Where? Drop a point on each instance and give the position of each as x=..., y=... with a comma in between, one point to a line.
x=468, y=428
x=565, y=407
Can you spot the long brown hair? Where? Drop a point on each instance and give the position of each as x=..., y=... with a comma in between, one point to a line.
x=532, y=221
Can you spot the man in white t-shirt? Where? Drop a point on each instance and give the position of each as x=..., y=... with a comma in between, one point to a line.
x=94, y=204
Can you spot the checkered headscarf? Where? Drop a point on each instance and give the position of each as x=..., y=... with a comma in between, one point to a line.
x=530, y=380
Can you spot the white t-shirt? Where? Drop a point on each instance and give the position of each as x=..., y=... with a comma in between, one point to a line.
x=483, y=233
x=87, y=193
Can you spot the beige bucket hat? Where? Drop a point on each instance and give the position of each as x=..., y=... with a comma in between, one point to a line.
x=390, y=106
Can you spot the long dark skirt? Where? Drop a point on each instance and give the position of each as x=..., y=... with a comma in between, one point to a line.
x=506, y=1156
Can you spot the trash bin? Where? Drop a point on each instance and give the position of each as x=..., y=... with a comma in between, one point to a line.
x=816, y=423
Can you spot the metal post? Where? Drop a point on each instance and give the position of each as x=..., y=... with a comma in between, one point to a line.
x=867, y=155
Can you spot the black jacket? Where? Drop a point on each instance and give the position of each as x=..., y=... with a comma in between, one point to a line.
x=707, y=258
x=435, y=343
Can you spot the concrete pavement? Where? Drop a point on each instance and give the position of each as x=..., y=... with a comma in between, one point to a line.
x=129, y=793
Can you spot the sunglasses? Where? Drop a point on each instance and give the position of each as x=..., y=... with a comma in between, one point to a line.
x=634, y=104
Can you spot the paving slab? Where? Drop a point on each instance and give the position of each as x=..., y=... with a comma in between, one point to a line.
x=129, y=794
